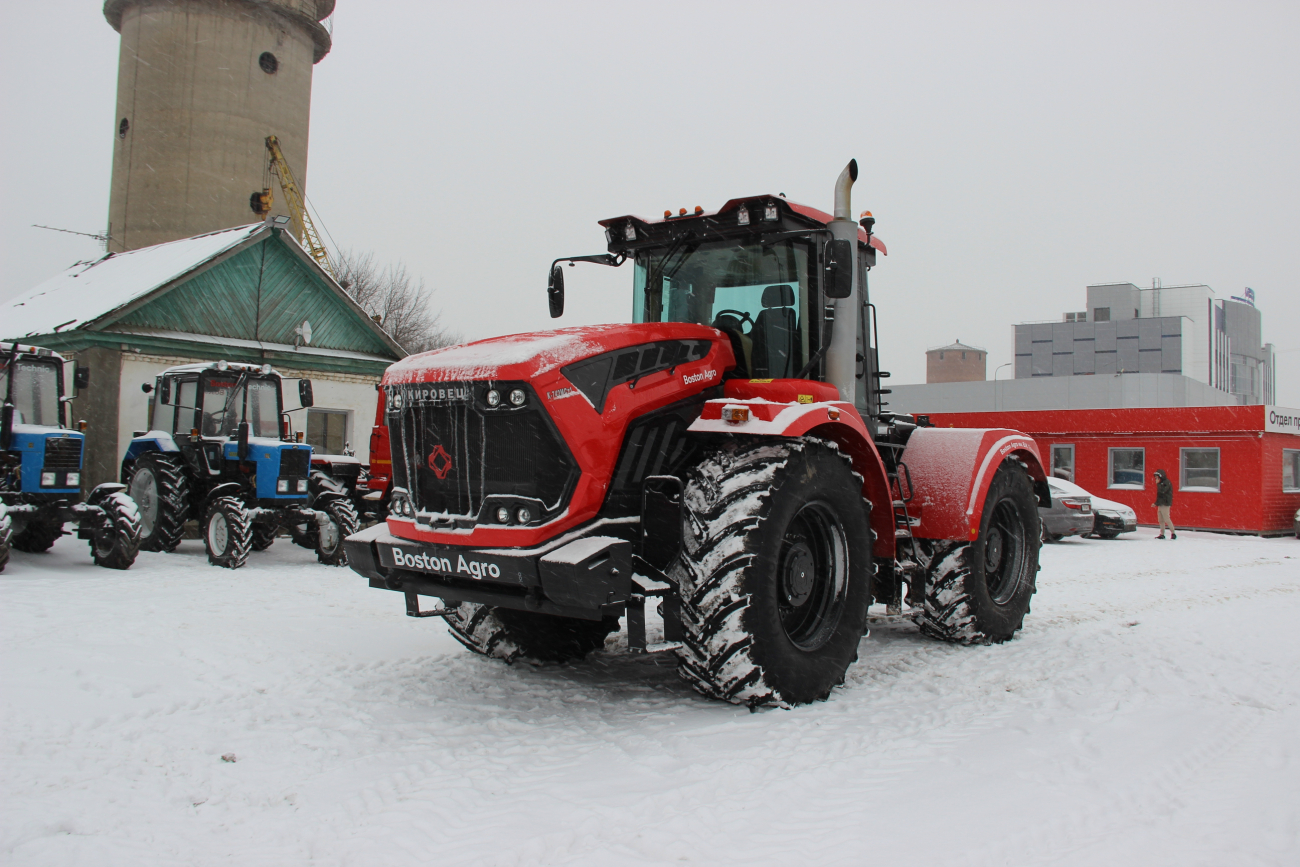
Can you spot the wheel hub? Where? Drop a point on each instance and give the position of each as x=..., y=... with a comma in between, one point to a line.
x=218, y=533
x=993, y=550
x=144, y=490
x=798, y=575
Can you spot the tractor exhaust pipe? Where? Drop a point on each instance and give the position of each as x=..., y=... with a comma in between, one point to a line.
x=841, y=355
x=843, y=189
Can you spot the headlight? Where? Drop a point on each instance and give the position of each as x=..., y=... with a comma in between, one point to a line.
x=397, y=400
x=74, y=479
x=524, y=516
x=302, y=486
x=503, y=515
x=517, y=397
x=493, y=397
x=282, y=486
x=47, y=480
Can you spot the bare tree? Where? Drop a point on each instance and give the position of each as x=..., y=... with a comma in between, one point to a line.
x=389, y=295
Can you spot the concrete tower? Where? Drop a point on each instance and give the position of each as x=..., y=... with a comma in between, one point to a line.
x=956, y=362
x=200, y=85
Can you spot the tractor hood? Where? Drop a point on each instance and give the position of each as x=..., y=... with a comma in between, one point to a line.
x=527, y=356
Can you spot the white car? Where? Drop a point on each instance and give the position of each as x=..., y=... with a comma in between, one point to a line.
x=1112, y=518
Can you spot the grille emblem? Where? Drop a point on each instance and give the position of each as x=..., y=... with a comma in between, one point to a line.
x=440, y=461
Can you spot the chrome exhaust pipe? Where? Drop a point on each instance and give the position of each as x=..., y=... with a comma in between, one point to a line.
x=843, y=189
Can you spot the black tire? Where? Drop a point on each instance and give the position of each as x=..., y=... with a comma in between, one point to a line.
x=775, y=572
x=1052, y=538
x=227, y=533
x=506, y=634
x=161, y=492
x=978, y=592
x=343, y=522
x=264, y=536
x=37, y=536
x=116, y=546
x=1107, y=534
x=6, y=535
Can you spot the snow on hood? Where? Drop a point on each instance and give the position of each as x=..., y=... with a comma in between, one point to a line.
x=524, y=356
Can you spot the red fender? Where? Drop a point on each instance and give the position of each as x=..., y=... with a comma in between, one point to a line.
x=831, y=420
x=951, y=470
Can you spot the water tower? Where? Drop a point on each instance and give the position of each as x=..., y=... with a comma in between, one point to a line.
x=200, y=85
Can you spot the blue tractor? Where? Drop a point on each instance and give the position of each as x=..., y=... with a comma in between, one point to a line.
x=220, y=450
x=40, y=467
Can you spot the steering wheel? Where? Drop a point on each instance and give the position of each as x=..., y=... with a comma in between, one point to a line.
x=739, y=314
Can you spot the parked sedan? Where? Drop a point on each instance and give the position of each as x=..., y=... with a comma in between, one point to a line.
x=1297, y=523
x=1069, y=515
x=1110, y=518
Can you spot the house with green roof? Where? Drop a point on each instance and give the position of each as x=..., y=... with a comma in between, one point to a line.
x=248, y=294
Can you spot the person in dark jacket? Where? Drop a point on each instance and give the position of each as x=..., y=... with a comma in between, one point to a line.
x=1164, y=502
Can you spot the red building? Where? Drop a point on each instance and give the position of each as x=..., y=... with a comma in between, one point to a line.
x=1234, y=468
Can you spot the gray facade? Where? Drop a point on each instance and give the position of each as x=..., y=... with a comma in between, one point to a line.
x=1162, y=330
x=1060, y=392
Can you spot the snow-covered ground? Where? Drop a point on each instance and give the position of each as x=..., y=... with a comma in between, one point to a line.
x=1149, y=714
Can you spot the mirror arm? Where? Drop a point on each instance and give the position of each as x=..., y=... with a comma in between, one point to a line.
x=598, y=259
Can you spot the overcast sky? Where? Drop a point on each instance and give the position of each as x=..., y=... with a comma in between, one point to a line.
x=1012, y=152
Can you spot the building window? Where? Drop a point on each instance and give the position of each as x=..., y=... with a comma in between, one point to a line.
x=327, y=430
x=1200, y=469
x=1101, y=314
x=1063, y=462
x=1291, y=470
x=1128, y=469
x=268, y=62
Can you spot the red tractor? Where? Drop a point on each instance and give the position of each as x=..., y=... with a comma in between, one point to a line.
x=726, y=452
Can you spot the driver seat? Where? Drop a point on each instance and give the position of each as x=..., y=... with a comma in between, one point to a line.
x=775, y=331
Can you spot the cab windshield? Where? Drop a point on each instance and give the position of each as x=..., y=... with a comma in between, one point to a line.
x=757, y=293
x=230, y=398
x=35, y=391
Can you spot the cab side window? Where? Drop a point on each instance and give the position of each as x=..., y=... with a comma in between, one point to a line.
x=185, y=394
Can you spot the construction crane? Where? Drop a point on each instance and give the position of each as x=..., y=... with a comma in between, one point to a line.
x=297, y=204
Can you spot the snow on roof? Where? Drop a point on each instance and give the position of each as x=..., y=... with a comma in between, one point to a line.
x=91, y=289
x=954, y=347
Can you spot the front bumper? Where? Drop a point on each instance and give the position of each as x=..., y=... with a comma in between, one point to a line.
x=1115, y=523
x=587, y=577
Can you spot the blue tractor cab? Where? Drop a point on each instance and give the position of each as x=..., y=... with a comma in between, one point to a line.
x=40, y=466
x=220, y=449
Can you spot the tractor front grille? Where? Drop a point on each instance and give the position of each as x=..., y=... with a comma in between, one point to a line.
x=63, y=453
x=456, y=453
x=294, y=462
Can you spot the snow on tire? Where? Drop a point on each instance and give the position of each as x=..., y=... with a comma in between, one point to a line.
x=775, y=572
x=978, y=592
x=118, y=543
x=506, y=634
x=343, y=522
x=6, y=533
x=161, y=491
x=227, y=533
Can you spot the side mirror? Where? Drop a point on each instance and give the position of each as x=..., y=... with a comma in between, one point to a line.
x=243, y=440
x=555, y=291
x=839, y=268
x=6, y=426
x=305, y=397
x=165, y=391
x=146, y=388
x=81, y=377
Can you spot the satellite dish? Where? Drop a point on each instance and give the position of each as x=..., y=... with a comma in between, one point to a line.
x=304, y=331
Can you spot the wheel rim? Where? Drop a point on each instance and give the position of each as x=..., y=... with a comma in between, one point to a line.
x=1004, y=552
x=329, y=537
x=218, y=533
x=144, y=490
x=812, y=576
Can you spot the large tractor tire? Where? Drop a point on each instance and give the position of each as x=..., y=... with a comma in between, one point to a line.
x=37, y=536
x=775, y=572
x=118, y=543
x=6, y=535
x=227, y=533
x=161, y=491
x=506, y=634
x=343, y=522
x=978, y=592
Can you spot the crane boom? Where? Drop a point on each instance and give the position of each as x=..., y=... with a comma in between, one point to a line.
x=293, y=197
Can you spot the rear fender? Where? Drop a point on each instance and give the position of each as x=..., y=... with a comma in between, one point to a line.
x=951, y=471
x=834, y=421
x=225, y=489
x=153, y=441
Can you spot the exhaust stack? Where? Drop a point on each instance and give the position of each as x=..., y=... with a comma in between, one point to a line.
x=841, y=356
